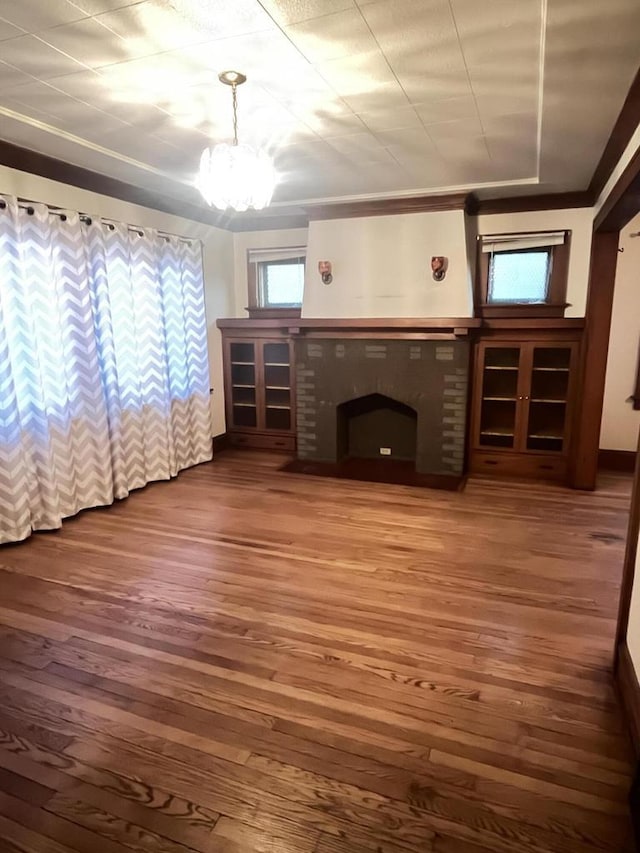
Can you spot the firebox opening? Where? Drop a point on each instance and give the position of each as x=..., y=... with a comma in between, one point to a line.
x=376, y=427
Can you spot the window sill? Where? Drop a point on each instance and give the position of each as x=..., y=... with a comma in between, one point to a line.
x=520, y=310
x=274, y=313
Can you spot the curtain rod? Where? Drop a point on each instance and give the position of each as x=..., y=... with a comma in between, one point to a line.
x=27, y=205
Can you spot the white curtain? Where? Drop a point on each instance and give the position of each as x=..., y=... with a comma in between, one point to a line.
x=104, y=381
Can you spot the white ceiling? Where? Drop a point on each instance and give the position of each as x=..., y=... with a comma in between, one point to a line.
x=353, y=98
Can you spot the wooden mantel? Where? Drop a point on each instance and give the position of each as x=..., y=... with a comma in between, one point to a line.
x=404, y=328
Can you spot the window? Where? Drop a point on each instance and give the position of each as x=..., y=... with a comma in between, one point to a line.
x=519, y=276
x=276, y=281
x=281, y=283
x=522, y=275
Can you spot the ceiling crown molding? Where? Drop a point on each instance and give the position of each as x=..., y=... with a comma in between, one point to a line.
x=546, y=201
x=391, y=206
x=35, y=163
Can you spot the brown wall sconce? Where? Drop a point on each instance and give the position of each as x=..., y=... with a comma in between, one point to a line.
x=439, y=266
x=324, y=268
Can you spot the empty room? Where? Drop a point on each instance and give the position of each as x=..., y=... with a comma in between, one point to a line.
x=319, y=420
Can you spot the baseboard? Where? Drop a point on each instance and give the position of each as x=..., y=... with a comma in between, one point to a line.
x=628, y=688
x=617, y=460
x=221, y=442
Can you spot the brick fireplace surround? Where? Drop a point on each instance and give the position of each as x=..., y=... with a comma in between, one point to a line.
x=429, y=376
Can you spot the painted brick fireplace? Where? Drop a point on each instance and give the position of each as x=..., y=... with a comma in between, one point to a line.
x=385, y=380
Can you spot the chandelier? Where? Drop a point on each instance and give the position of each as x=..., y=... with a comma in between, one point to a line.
x=235, y=175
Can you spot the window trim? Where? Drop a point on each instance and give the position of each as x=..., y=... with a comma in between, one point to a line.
x=257, y=311
x=556, y=295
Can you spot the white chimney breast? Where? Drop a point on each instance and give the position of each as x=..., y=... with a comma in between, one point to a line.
x=382, y=267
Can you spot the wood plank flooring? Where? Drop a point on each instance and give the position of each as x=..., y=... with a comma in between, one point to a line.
x=249, y=661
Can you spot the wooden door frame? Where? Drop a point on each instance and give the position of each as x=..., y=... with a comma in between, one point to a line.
x=583, y=461
x=622, y=204
x=628, y=574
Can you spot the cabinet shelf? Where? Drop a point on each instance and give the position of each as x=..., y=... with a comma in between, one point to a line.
x=277, y=387
x=499, y=367
x=236, y=385
x=556, y=400
x=245, y=405
x=546, y=435
x=551, y=369
x=287, y=408
x=502, y=432
x=249, y=363
x=276, y=364
x=500, y=399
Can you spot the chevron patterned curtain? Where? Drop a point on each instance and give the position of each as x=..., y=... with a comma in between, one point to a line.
x=104, y=380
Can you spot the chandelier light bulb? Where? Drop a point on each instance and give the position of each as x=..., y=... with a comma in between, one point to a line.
x=236, y=175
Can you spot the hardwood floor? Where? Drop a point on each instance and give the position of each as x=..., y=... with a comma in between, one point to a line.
x=246, y=660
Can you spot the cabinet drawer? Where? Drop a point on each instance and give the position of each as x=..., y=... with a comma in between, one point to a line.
x=534, y=466
x=263, y=441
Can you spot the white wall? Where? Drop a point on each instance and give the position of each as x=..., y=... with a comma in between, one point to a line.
x=577, y=220
x=382, y=267
x=620, y=423
x=381, y=264
x=244, y=240
x=217, y=250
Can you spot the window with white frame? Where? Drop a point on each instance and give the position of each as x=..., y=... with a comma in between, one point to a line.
x=526, y=272
x=276, y=278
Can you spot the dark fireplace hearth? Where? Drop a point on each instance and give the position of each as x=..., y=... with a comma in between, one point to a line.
x=367, y=406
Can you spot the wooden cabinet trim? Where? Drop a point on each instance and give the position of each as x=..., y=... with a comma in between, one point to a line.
x=525, y=378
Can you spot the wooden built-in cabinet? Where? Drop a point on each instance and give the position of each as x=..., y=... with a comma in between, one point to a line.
x=523, y=394
x=260, y=391
x=522, y=407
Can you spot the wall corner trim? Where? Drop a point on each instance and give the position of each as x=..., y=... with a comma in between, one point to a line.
x=624, y=128
x=221, y=442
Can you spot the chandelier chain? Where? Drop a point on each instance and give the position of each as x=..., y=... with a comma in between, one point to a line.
x=235, y=113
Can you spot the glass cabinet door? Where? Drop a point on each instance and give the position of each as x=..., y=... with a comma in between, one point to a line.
x=244, y=404
x=548, y=398
x=277, y=385
x=499, y=403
